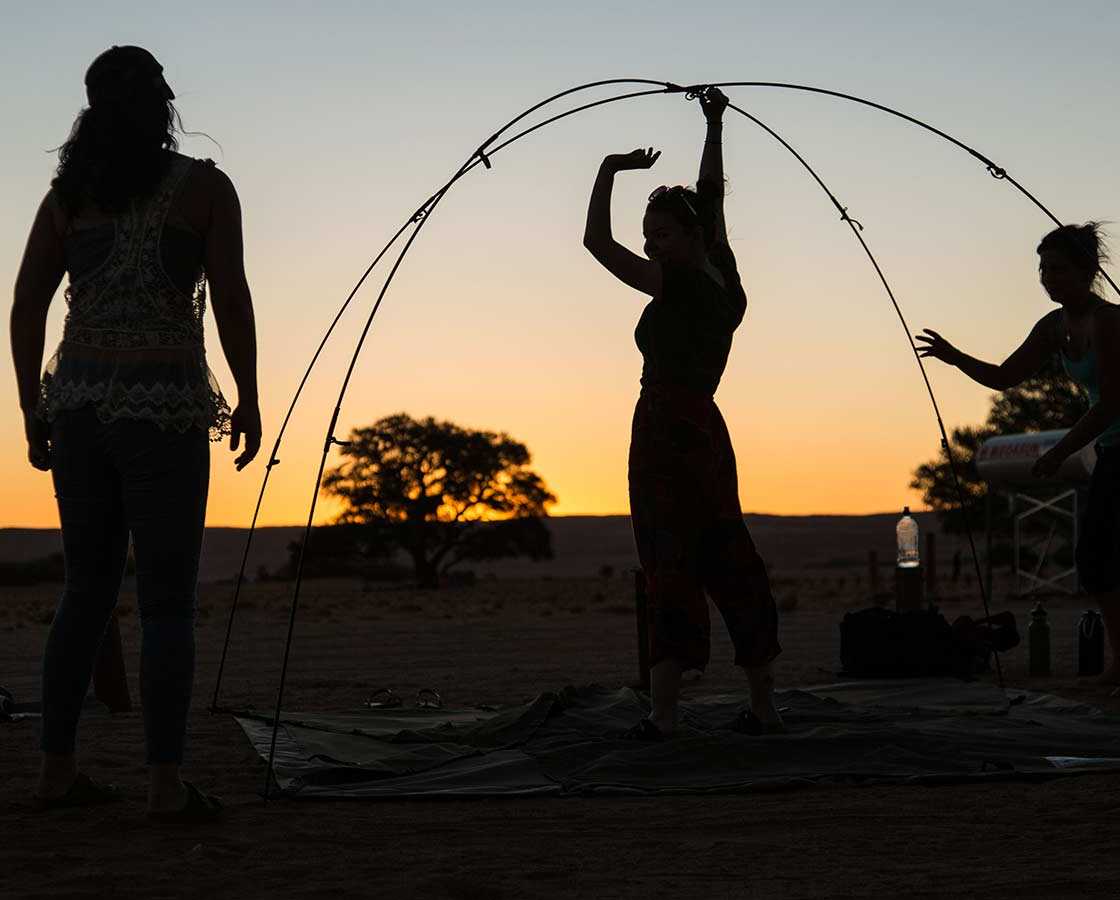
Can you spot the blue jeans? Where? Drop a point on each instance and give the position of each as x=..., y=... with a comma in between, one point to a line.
x=112, y=480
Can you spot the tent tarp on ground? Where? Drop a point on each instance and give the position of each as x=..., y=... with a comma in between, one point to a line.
x=567, y=742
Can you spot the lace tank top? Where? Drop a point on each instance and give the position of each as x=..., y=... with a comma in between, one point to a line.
x=132, y=343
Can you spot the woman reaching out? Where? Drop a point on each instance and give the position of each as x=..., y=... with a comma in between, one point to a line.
x=684, y=499
x=1085, y=332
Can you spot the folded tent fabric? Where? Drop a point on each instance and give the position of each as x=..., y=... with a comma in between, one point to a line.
x=566, y=742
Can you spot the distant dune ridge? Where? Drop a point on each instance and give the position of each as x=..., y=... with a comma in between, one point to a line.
x=583, y=545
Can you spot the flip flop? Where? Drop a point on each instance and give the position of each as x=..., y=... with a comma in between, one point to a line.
x=383, y=698
x=428, y=698
x=83, y=792
x=200, y=807
x=645, y=731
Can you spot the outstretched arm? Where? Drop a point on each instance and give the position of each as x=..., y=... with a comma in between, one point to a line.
x=1030, y=356
x=39, y=276
x=641, y=274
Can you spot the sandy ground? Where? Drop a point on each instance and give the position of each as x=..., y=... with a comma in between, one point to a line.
x=501, y=642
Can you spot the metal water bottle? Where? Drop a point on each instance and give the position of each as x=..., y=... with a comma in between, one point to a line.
x=1038, y=642
x=1090, y=643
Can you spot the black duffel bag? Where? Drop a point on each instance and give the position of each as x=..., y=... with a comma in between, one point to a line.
x=882, y=643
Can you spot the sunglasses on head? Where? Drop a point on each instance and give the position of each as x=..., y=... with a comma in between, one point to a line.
x=677, y=190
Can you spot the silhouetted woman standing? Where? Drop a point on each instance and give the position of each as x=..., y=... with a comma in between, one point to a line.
x=684, y=500
x=1085, y=333
x=127, y=406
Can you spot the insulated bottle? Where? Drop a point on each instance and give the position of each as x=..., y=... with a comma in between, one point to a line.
x=1090, y=643
x=1038, y=642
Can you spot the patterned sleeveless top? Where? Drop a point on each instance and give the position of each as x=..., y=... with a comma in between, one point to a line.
x=132, y=343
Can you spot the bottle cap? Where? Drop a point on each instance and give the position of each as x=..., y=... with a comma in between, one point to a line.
x=906, y=510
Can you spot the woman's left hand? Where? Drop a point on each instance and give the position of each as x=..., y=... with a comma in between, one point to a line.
x=1047, y=465
x=38, y=442
x=245, y=422
x=713, y=102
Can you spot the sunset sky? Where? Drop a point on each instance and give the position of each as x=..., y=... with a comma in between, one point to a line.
x=337, y=119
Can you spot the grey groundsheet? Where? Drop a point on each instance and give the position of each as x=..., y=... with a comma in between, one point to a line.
x=568, y=742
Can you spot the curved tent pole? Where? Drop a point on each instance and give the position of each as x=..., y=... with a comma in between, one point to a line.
x=482, y=156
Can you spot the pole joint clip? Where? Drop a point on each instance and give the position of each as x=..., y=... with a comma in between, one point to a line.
x=844, y=217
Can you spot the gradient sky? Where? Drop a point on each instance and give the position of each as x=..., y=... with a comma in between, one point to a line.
x=337, y=119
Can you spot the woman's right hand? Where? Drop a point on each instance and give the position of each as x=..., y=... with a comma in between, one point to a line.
x=635, y=159
x=935, y=346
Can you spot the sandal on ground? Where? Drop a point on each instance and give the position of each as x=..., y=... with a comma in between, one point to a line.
x=429, y=698
x=83, y=792
x=199, y=807
x=645, y=730
x=748, y=723
x=383, y=698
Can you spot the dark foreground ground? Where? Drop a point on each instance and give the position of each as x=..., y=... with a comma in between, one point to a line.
x=502, y=642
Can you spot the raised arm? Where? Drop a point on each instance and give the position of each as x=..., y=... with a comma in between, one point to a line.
x=40, y=273
x=713, y=102
x=1030, y=356
x=233, y=310
x=641, y=274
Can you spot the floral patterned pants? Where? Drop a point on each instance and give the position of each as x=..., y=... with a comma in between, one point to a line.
x=691, y=538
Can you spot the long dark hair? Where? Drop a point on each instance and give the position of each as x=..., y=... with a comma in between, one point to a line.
x=117, y=149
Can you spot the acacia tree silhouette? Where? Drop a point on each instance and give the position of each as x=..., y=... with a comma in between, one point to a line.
x=1048, y=400
x=441, y=493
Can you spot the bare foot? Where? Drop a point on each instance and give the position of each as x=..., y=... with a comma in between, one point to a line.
x=52, y=789
x=167, y=798
x=56, y=775
x=761, y=682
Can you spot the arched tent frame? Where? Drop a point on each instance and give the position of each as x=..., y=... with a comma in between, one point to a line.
x=497, y=142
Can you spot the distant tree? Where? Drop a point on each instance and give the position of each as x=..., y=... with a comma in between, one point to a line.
x=1046, y=401
x=441, y=493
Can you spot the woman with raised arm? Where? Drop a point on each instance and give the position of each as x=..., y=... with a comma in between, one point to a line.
x=1084, y=331
x=123, y=415
x=684, y=498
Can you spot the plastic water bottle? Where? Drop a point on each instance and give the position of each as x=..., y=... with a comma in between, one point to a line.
x=907, y=533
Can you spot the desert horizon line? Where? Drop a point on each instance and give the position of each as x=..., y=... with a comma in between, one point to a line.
x=621, y=515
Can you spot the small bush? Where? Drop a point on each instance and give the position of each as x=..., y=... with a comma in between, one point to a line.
x=33, y=571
